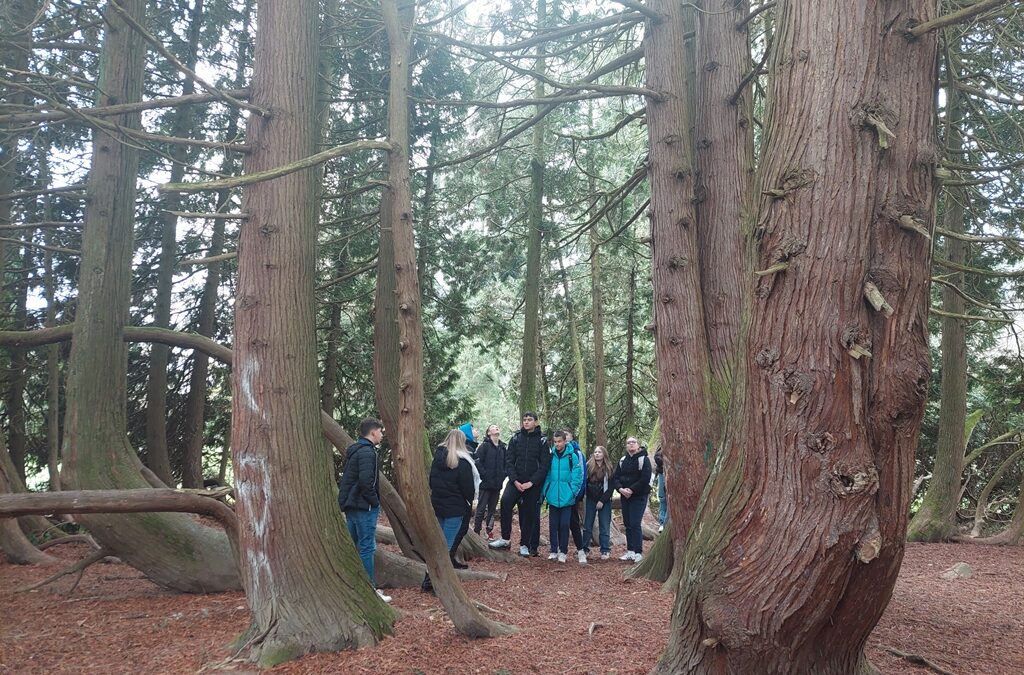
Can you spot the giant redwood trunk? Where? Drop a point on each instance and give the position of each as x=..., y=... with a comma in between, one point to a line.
x=303, y=579
x=407, y=447
x=799, y=533
x=173, y=550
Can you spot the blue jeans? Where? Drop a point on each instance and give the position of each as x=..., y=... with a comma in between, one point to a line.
x=362, y=525
x=662, y=500
x=450, y=528
x=604, y=521
x=632, y=517
x=558, y=525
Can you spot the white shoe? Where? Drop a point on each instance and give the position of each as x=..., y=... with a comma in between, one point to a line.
x=552, y=556
x=606, y=556
x=661, y=528
x=523, y=551
x=561, y=557
x=385, y=598
x=499, y=543
x=637, y=557
x=627, y=556
x=582, y=557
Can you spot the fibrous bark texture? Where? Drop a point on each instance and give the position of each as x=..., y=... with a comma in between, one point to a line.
x=799, y=532
x=304, y=582
x=173, y=550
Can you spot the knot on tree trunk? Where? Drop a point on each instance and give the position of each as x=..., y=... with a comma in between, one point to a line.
x=845, y=480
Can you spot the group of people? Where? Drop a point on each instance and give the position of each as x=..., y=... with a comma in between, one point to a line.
x=521, y=476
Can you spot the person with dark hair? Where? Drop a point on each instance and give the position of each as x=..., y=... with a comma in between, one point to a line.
x=490, y=461
x=453, y=485
x=359, y=493
x=563, y=482
x=527, y=460
x=633, y=481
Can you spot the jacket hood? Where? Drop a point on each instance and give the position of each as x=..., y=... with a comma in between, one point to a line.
x=467, y=429
x=352, y=449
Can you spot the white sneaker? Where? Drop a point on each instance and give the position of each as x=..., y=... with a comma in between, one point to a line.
x=523, y=551
x=627, y=556
x=582, y=557
x=499, y=543
x=561, y=557
x=552, y=555
x=385, y=598
x=606, y=556
x=637, y=557
x=661, y=528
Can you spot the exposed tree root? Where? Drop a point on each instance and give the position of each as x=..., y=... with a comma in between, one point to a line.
x=78, y=568
x=657, y=563
x=70, y=539
x=917, y=660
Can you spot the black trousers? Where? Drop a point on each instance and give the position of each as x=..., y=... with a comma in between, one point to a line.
x=529, y=512
x=485, y=508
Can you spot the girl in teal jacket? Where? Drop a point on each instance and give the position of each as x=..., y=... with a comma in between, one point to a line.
x=565, y=478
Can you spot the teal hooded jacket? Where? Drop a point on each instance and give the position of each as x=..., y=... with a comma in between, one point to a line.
x=565, y=478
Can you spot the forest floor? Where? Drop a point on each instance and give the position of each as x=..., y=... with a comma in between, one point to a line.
x=115, y=621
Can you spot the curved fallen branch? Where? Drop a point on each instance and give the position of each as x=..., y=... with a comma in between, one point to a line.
x=79, y=567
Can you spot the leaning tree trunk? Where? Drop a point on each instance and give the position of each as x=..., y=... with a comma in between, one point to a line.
x=936, y=519
x=407, y=448
x=303, y=579
x=173, y=550
x=799, y=533
x=157, y=454
x=13, y=542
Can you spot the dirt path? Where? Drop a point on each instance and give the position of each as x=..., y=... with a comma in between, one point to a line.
x=117, y=622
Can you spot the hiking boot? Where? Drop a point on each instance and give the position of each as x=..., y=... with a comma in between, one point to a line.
x=582, y=557
x=385, y=598
x=499, y=543
x=561, y=557
x=523, y=551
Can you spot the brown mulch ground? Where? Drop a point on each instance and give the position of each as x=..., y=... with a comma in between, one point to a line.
x=117, y=622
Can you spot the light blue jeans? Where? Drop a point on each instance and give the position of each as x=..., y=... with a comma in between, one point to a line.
x=450, y=529
x=604, y=521
x=662, y=500
x=362, y=525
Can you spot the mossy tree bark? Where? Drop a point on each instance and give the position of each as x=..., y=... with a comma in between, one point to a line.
x=304, y=582
x=407, y=444
x=936, y=519
x=174, y=551
x=849, y=149
x=528, y=395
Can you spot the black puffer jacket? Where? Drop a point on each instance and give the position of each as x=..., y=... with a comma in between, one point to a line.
x=451, y=490
x=596, y=490
x=358, y=490
x=490, y=462
x=528, y=457
x=634, y=472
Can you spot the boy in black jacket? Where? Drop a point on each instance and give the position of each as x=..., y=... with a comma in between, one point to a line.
x=359, y=494
x=527, y=459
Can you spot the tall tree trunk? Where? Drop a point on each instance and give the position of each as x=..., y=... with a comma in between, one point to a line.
x=52, y=351
x=173, y=550
x=597, y=317
x=157, y=454
x=805, y=509
x=577, y=359
x=329, y=388
x=936, y=519
x=195, y=403
x=17, y=376
x=534, y=224
x=407, y=449
x=298, y=565
x=629, y=405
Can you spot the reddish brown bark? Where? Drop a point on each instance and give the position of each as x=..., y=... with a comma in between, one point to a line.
x=799, y=535
x=304, y=582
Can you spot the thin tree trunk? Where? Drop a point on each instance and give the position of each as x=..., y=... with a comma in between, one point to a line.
x=52, y=351
x=577, y=359
x=13, y=542
x=997, y=475
x=805, y=509
x=629, y=409
x=304, y=582
x=597, y=317
x=936, y=519
x=329, y=388
x=157, y=453
x=173, y=550
x=1013, y=535
x=528, y=399
x=17, y=376
x=407, y=456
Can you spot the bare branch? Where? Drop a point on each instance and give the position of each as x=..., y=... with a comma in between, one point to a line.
x=953, y=18
x=123, y=108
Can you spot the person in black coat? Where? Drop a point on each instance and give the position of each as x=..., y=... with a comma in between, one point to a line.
x=633, y=481
x=453, y=485
x=359, y=493
x=490, y=462
x=598, y=501
x=527, y=460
